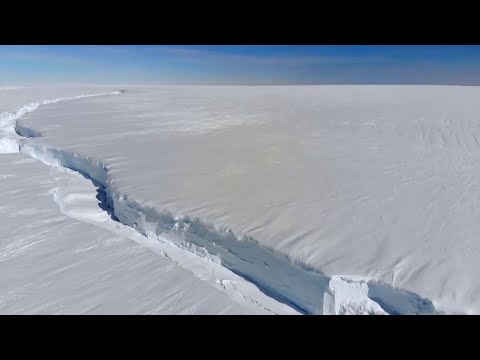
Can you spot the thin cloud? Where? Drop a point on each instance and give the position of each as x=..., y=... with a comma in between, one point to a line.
x=21, y=55
x=113, y=50
x=206, y=56
x=105, y=49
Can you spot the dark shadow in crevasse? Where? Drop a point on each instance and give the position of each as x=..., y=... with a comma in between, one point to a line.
x=101, y=196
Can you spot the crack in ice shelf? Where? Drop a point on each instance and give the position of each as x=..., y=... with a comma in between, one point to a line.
x=304, y=289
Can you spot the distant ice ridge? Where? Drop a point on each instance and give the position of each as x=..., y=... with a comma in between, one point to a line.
x=8, y=119
x=10, y=87
x=303, y=289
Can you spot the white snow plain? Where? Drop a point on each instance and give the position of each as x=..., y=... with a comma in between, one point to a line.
x=322, y=199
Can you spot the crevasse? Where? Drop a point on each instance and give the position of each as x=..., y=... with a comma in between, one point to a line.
x=305, y=289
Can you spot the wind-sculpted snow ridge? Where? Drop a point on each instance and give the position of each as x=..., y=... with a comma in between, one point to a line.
x=8, y=146
x=302, y=288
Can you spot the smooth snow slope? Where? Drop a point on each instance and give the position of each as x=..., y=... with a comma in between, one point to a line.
x=371, y=187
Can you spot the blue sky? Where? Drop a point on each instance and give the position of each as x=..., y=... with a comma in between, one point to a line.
x=246, y=65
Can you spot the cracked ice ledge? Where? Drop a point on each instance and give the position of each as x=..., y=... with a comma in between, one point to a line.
x=304, y=289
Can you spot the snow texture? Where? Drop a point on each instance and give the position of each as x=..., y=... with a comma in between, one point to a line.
x=330, y=199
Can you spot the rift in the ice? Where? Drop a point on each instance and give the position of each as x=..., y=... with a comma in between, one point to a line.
x=27, y=132
x=101, y=196
x=274, y=274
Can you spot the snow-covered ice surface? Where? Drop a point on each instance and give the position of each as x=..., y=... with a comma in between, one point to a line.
x=331, y=199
